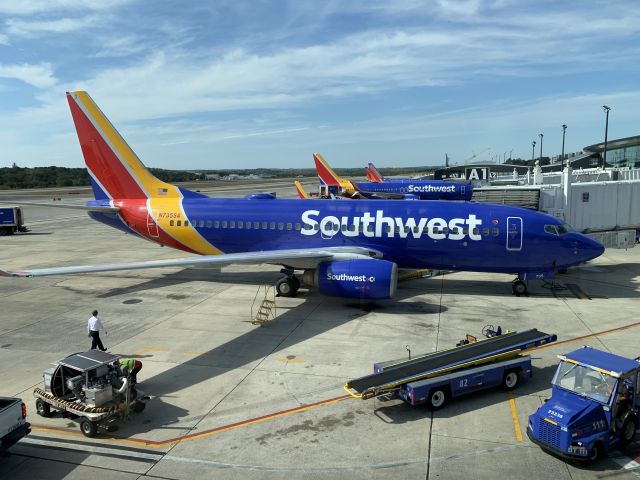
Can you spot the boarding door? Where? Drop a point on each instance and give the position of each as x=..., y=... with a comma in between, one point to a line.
x=514, y=234
x=152, y=226
x=463, y=189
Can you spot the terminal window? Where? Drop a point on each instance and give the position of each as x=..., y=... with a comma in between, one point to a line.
x=585, y=196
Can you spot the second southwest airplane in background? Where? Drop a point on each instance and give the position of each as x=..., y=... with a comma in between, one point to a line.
x=406, y=189
x=346, y=249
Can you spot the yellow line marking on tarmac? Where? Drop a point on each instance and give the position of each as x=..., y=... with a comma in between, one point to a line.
x=151, y=349
x=583, y=337
x=514, y=416
x=194, y=436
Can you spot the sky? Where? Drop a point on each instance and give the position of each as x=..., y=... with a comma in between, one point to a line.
x=245, y=84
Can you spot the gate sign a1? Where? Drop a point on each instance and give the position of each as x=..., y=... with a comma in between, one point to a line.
x=476, y=173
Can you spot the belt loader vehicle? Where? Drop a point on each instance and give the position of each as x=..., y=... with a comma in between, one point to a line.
x=437, y=377
x=594, y=406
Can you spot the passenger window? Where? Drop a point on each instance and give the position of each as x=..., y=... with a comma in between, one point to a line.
x=465, y=231
x=264, y=225
x=416, y=229
x=280, y=226
x=397, y=229
x=289, y=226
x=202, y=223
x=476, y=231
x=336, y=227
x=171, y=223
x=387, y=228
x=256, y=225
x=179, y=223
x=445, y=230
x=272, y=226
x=248, y=225
x=485, y=232
x=370, y=228
x=240, y=225
x=344, y=228
x=186, y=223
x=232, y=224
x=224, y=224
x=316, y=227
x=455, y=231
x=496, y=231
x=216, y=224
x=406, y=229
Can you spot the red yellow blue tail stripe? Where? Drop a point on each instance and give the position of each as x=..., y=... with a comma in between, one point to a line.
x=120, y=174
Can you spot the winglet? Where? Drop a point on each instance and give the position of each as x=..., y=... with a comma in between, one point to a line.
x=4, y=273
x=300, y=190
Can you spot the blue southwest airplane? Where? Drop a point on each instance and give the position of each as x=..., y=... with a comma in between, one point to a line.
x=350, y=248
x=405, y=188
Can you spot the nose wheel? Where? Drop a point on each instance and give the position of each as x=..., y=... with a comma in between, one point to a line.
x=519, y=287
x=288, y=286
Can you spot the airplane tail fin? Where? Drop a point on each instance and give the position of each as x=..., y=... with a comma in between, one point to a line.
x=115, y=170
x=325, y=172
x=300, y=190
x=373, y=174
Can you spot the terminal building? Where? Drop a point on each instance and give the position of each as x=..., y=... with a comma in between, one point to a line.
x=601, y=201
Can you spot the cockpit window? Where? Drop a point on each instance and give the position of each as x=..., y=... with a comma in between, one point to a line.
x=558, y=229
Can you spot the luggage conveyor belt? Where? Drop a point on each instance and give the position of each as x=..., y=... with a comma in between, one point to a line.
x=399, y=372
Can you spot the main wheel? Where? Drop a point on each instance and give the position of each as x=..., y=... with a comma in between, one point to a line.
x=285, y=287
x=628, y=432
x=88, y=428
x=43, y=408
x=437, y=398
x=519, y=288
x=510, y=380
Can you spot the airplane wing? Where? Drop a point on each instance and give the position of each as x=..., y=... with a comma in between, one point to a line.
x=294, y=258
x=86, y=208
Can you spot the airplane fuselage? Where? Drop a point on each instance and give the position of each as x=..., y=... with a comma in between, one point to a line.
x=436, y=234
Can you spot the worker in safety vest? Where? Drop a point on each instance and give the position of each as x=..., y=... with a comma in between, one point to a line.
x=133, y=366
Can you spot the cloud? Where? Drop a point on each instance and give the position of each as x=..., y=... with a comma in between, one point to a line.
x=39, y=76
x=61, y=25
x=28, y=7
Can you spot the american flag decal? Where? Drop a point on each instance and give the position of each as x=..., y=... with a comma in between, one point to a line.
x=162, y=191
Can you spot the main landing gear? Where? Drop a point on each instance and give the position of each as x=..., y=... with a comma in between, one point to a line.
x=519, y=287
x=288, y=286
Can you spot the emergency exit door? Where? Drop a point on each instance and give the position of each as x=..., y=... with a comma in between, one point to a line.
x=514, y=234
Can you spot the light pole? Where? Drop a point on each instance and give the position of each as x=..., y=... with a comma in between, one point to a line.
x=533, y=149
x=540, y=135
x=564, y=129
x=606, y=131
x=504, y=157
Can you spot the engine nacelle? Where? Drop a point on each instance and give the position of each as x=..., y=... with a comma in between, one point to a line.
x=370, y=279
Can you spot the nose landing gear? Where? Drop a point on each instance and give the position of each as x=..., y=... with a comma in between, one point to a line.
x=519, y=287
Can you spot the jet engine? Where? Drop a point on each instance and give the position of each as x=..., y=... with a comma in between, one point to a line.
x=370, y=279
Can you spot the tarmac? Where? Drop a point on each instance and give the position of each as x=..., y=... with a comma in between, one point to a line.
x=230, y=399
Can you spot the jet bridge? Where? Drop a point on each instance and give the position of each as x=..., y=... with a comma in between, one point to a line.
x=390, y=376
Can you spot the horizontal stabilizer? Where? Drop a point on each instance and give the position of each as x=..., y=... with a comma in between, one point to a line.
x=86, y=208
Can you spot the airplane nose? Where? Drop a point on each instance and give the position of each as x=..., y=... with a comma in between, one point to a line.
x=590, y=248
